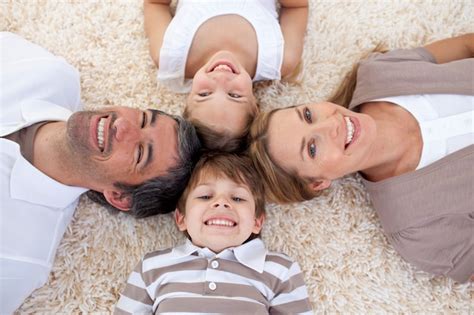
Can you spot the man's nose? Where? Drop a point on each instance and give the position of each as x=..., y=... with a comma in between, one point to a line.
x=125, y=130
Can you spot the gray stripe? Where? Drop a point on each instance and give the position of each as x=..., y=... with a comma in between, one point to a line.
x=223, y=289
x=279, y=260
x=289, y=285
x=157, y=253
x=197, y=263
x=118, y=311
x=294, y=307
x=137, y=294
x=210, y=305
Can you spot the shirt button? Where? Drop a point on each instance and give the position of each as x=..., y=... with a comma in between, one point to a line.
x=214, y=264
x=212, y=286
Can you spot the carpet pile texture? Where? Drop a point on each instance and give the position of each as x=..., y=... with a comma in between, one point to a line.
x=348, y=265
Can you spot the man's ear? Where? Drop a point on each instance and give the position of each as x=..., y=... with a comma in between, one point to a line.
x=118, y=199
x=318, y=185
x=258, y=224
x=179, y=219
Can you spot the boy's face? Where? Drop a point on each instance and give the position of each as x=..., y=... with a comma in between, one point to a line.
x=219, y=214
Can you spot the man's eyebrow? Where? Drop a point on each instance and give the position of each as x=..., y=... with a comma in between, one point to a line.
x=154, y=114
x=149, y=157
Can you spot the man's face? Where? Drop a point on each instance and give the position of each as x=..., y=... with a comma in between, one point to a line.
x=121, y=144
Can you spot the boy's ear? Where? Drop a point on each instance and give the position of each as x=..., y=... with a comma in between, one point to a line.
x=318, y=185
x=258, y=224
x=179, y=219
x=118, y=199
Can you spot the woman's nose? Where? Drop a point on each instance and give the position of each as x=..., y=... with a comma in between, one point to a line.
x=125, y=130
x=329, y=126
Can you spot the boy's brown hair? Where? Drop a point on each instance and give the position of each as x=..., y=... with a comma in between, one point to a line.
x=238, y=168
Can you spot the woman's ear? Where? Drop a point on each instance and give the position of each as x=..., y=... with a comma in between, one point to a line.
x=118, y=199
x=179, y=219
x=318, y=185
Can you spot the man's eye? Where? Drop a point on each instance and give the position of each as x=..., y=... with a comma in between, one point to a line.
x=307, y=115
x=144, y=120
x=238, y=199
x=234, y=95
x=312, y=149
x=204, y=94
x=140, y=154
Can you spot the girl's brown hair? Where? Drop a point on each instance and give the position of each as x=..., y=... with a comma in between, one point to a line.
x=283, y=186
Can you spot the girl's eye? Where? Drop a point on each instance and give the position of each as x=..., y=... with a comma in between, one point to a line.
x=233, y=95
x=144, y=118
x=140, y=153
x=204, y=94
x=307, y=115
x=312, y=150
x=237, y=199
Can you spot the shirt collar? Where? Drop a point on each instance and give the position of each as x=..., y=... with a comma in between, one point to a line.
x=30, y=184
x=251, y=254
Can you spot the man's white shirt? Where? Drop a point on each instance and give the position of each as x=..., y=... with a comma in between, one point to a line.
x=35, y=209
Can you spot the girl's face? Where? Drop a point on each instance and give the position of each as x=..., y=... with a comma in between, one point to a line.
x=221, y=96
x=322, y=141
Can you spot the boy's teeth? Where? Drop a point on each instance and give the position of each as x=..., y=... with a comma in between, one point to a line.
x=350, y=130
x=100, y=133
x=220, y=222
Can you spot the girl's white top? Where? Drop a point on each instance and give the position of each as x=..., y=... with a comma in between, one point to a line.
x=445, y=120
x=191, y=14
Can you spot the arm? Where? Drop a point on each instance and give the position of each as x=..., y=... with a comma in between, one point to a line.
x=292, y=296
x=157, y=18
x=454, y=48
x=135, y=298
x=293, y=20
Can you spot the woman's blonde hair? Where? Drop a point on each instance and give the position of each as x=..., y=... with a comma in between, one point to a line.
x=284, y=186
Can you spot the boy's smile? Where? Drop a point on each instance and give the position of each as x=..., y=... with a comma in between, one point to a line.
x=219, y=213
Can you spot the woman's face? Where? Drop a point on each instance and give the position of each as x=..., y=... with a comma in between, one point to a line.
x=322, y=141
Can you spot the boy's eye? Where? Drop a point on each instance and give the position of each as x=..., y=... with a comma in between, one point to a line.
x=204, y=94
x=234, y=95
x=144, y=119
x=205, y=197
x=312, y=149
x=237, y=199
x=307, y=115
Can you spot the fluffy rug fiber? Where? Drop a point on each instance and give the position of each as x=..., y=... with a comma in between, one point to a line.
x=349, y=267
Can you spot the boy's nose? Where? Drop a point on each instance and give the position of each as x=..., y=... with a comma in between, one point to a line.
x=221, y=202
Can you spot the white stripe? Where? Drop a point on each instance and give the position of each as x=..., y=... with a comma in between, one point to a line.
x=128, y=305
x=136, y=279
x=194, y=295
x=295, y=295
x=165, y=260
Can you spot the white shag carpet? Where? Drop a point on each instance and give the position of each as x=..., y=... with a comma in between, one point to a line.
x=349, y=267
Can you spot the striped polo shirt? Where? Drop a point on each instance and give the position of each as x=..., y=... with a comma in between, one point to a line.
x=188, y=279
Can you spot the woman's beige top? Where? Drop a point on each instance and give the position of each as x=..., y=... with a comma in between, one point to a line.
x=427, y=215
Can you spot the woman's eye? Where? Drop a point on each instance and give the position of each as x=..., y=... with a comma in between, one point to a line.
x=307, y=115
x=312, y=150
x=204, y=197
x=140, y=153
x=233, y=95
x=144, y=118
x=204, y=94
